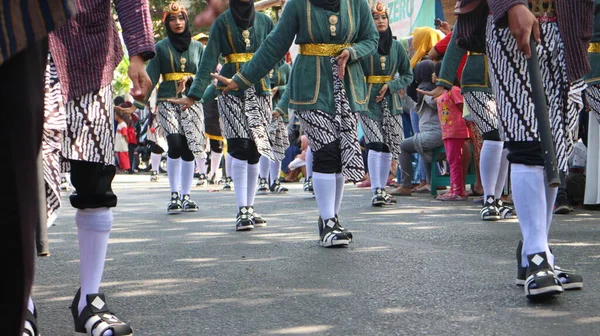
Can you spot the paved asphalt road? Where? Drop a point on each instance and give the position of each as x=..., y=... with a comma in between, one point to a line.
x=420, y=268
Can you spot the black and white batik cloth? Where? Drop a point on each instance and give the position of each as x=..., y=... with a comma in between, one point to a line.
x=483, y=110
x=389, y=130
x=54, y=126
x=279, y=138
x=188, y=122
x=90, y=133
x=247, y=118
x=323, y=128
x=511, y=84
x=592, y=96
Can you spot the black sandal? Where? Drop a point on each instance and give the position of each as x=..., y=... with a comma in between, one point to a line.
x=96, y=319
x=541, y=281
x=31, y=328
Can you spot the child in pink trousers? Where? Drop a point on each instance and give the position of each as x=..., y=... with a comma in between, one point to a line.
x=454, y=134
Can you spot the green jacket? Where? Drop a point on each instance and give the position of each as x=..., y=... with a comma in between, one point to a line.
x=167, y=60
x=226, y=38
x=279, y=77
x=475, y=73
x=311, y=79
x=397, y=62
x=593, y=77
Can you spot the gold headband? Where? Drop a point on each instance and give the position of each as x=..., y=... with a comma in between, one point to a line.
x=174, y=8
x=379, y=8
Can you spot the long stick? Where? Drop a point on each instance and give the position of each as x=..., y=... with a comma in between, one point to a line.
x=543, y=119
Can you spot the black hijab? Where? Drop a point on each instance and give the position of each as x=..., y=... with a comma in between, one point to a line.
x=422, y=75
x=329, y=5
x=385, y=42
x=243, y=13
x=181, y=42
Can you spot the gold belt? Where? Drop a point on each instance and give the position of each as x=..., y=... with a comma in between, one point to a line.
x=176, y=76
x=471, y=53
x=238, y=58
x=594, y=47
x=322, y=49
x=378, y=79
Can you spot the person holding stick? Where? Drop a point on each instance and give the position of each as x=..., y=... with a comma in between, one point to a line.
x=562, y=64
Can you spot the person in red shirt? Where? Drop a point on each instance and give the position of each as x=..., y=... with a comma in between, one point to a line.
x=439, y=49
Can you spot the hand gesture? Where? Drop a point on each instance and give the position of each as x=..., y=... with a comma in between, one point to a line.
x=382, y=93
x=342, y=59
x=231, y=85
x=140, y=79
x=438, y=91
x=186, y=102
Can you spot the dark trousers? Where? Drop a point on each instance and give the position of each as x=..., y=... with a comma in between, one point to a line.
x=21, y=126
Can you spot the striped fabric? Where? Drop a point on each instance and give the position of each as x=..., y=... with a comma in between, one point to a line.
x=87, y=49
x=576, y=21
x=23, y=22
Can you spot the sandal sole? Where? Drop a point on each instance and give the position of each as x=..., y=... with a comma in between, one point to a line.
x=545, y=292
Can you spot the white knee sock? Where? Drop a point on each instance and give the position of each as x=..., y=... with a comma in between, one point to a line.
x=239, y=174
x=502, y=174
x=93, y=230
x=274, y=171
x=385, y=165
x=187, y=176
x=489, y=165
x=215, y=161
x=550, y=199
x=529, y=195
x=252, y=182
x=30, y=305
x=155, y=161
x=228, y=163
x=264, y=167
x=339, y=192
x=324, y=186
x=174, y=172
x=201, y=163
x=309, y=162
x=374, y=162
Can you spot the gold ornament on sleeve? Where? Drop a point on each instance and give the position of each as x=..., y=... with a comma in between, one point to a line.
x=182, y=61
x=333, y=20
x=246, y=36
x=382, y=61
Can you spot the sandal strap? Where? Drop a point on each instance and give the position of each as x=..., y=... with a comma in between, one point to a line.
x=30, y=328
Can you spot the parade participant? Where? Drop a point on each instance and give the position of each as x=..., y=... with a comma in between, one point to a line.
x=87, y=143
x=592, y=95
x=158, y=143
x=559, y=28
x=333, y=35
x=270, y=170
x=282, y=109
x=245, y=114
x=212, y=122
x=22, y=65
x=382, y=122
x=477, y=92
x=177, y=58
x=212, y=130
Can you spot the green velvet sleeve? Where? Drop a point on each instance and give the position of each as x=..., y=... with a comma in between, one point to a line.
x=368, y=36
x=450, y=63
x=272, y=50
x=208, y=62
